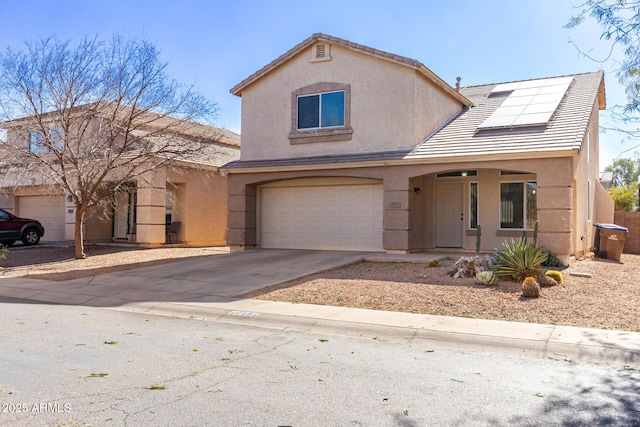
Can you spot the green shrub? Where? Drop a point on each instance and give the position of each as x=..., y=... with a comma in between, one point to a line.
x=434, y=263
x=552, y=259
x=519, y=260
x=3, y=251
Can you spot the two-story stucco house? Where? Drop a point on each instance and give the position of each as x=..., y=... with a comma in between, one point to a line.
x=345, y=147
x=183, y=201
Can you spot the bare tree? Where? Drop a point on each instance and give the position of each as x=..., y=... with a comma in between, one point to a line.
x=92, y=116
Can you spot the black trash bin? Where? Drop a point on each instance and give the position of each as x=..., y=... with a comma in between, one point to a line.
x=609, y=241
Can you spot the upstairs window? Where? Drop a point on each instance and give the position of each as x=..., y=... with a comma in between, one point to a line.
x=324, y=110
x=38, y=145
x=321, y=113
x=57, y=137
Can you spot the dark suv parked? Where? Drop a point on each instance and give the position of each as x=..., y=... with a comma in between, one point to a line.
x=13, y=228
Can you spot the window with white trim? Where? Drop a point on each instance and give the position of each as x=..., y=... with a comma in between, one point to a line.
x=518, y=206
x=36, y=143
x=57, y=137
x=39, y=145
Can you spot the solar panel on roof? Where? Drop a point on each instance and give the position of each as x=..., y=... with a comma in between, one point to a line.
x=530, y=103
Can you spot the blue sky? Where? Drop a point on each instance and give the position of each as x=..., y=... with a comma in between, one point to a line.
x=215, y=44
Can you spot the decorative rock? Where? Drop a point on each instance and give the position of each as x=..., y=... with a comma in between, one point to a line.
x=577, y=274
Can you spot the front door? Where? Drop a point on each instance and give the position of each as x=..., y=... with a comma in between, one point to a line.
x=449, y=214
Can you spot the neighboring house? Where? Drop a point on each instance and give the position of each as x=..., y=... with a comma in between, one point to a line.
x=184, y=202
x=606, y=179
x=345, y=147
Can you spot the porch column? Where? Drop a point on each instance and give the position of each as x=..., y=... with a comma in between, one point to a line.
x=241, y=214
x=555, y=202
x=396, y=222
x=151, y=208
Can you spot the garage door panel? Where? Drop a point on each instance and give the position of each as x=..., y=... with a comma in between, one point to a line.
x=341, y=217
x=49, y=210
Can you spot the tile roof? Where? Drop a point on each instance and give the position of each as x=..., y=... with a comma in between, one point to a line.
x=316, y=160
x=212, y=154
x=237, y=89
x=460, y=136
x=564, y=132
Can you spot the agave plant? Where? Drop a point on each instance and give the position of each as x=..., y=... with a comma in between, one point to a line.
x=486, y=278
x=519, y=260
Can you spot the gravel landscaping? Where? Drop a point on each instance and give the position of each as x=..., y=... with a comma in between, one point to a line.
x=609, y=299
x=58, y=263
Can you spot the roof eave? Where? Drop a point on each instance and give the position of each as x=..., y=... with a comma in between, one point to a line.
x=405, y=162
x=397, y=59
x=602, y=96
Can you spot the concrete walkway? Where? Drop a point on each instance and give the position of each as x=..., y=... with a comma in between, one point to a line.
x=204, y=288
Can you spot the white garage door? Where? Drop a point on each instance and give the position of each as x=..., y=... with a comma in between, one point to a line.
x=330, y=217
x=49, y=210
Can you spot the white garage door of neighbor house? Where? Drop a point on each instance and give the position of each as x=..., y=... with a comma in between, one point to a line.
x=49, y=210
x=329, y=217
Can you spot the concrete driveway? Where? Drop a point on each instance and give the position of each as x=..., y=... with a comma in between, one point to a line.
x=206, y=279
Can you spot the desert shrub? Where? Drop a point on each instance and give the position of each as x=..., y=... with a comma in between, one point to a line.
x=519, y=260
x=469, y=266
x=555, y=275
x=545, y=281
x=3, y=251
x=434, y=263
x=552, y=259
x=487, y=278
x=530, y=288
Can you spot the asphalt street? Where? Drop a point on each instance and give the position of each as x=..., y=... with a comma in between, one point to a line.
x=74, y=365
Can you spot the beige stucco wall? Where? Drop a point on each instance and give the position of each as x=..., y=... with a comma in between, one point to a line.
x=98, y=224
x=392, y=106
x=605, y=207
x=6, y=202
x=590, y=203
x=409, y=217
x=201, y=206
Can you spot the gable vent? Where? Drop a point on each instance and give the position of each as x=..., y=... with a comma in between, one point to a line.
x=321, y=50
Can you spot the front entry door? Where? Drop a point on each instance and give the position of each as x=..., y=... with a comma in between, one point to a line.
x=449, y=214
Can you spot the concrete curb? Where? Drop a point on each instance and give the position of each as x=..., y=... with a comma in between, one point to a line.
x=565, y=343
